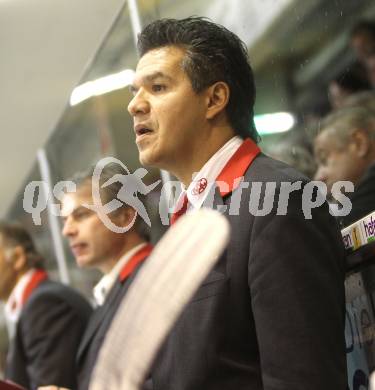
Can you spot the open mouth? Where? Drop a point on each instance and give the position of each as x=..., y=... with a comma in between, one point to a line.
x=77, y=249
x=143, y=130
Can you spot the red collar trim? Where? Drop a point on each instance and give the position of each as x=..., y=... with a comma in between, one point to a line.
x=139, y=256
x=237, y=166
x=38, y=277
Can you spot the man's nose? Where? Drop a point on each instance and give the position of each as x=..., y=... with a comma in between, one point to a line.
x=69, y=228
x=138, y=105
x=320, y=175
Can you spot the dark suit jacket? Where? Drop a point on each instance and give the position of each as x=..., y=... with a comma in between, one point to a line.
x=97, y=329
x=48, y=333
x=271, y=314
x=363, y=198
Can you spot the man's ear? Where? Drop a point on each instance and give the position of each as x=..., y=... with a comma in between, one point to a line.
x=126, y=216
x=361, y=142
x=18, y=258
x=218, y=97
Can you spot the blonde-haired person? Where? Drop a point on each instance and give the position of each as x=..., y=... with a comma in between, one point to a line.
x=345, y=151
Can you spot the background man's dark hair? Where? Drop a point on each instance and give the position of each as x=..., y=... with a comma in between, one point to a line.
x=352, y=80
x=364, y=27
x=109, y=193
x=213, y=54
x=12, y=235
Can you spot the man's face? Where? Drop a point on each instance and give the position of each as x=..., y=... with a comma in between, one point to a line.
x=363, y=45
x=336, y=162
x=370, y=65
x=8, y=275
x=169, y=117
x=337, y=95
x=92, y=243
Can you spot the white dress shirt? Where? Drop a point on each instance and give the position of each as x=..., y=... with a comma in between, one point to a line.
x=102, y=289
x=200, y=186
x=13, y=306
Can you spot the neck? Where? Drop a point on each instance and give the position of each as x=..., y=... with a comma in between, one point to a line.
x=203, y=151
x=131, y=242
x=367, y=162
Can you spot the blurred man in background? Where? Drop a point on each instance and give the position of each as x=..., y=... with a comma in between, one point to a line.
x=295, y=154
x=346, y=84
x=345, y=151
x=116, y=255
x=370, y=66
x=362, y=40
x=45, y=319
x=363, y=99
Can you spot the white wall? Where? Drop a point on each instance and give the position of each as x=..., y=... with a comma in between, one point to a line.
x=45, y=46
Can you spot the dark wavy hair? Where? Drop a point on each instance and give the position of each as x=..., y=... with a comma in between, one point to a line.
x=12, y=235
x=213, y=53
x=363, y=27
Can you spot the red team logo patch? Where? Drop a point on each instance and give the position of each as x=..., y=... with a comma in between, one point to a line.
x=200, y=186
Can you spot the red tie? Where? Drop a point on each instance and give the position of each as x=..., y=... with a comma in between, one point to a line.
x=180, y=209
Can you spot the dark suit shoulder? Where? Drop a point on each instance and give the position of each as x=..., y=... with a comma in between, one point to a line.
x=50, y=328
x=296, y=207
x=96, y=330
x=50, y=292
x=272, y=189
x=265, y=168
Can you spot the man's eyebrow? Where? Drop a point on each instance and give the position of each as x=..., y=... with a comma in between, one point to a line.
x=149, y=78
x=156, y=75
x=75, y=210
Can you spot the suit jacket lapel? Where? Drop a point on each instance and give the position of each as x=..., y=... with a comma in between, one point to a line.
x=110, y=304
x=216, y=201
x=97, y=318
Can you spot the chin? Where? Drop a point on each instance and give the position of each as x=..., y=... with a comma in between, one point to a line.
x=147, y=160
x=144, y=161
x=83, y=262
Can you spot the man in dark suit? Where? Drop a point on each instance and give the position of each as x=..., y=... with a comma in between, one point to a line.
x=45, y=319
x=117, y=255
x=345, y=150
x=271, y=314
